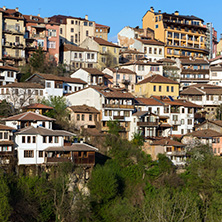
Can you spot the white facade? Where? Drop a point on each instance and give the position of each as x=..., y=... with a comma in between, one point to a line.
x=7, y=76
x=71, y=87
x=51, y=90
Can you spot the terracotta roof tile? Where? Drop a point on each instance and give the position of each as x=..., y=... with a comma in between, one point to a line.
x=69, y=47
x=4, y=127
x=9, y=68
x=93, y=71
x=207, y=133
x=72, y=80
x=193, y=62
x=83, y=109
x=101, y=41
x=122, y=70
x=28, y=116
x=167, y=60
x=37, y=106
x=157, y=79
x=25, y=85
x=195, y=71
x=151, y=42
x=167, y=142
x=130, y=51
x=148, y=101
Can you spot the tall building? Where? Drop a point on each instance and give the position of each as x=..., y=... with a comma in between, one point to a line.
x=211, y=40
x=12, y=31
x=74, y=30
x=183, y=35
x=101, y=31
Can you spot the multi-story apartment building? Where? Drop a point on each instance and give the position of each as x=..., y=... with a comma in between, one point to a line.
x=12, y=31
x=124, y=78
x=101, y=31
x=206, y=95
x=74, y=30
x=108, y=55
x=112, y=103
x=211, y=40
x=144, y=68
x=44, y=33
x=76, y=57
x=183, y=35
x=193, y=71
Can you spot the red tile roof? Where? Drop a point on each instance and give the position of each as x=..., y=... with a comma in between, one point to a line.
x=24, y=85
x=193, y=62
x=93, y=71
x=84, y=109
x=148, y=101
x=122, y=70
x=167, y=60
x=4, y=127
x=9, y=68
x=72, y=80
x=207, y=133
x=69, y=47
x=38, y=106
x=28, y=116
x=101, y=41
x=151, y=42
x=167, y=142
x=157, y=79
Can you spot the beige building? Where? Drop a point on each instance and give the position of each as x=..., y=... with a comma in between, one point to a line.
x=12, y=32
x=108, y=55
x=101, y=31
x=74, y=30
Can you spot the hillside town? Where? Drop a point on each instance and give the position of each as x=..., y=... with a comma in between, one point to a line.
x=161, y=81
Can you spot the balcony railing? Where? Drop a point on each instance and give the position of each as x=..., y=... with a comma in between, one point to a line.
x=144, y=124
x=57, y=160
x=119, y=117
x=118, y=106
x=177, y=153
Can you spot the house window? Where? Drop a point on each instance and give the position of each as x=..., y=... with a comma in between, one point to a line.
x=104, y=49
x=50, y=139
x=52, y=32
x=168, y=88
x=172, y=88
x=51, y=45
x=33, y=139
x=85, y=23
x=48, y=84
x=72, y=38
x=28, y=139
x=76, y=38
x=44, y=139
x=40, y=153
x=5, y=135
x=83, y=117
x=87, y=33
x=92, y=56
x=72, y=22
x=154, y=88
x=150, y=50
x=160, y=88
x=160, y=51
x=72, y=29
x=61, y=31
x=28, y=153
x=175, y=128
x=78, y=117
x=103, y=59
x=23, y=139
x=155, y=50
x=56, y=139
x=90, y=117
x=189, y=121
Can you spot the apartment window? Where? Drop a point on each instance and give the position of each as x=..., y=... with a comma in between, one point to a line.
x=103, y=59
x=115, y=50
x=156, y=26
x=83, y=117
x=168, y=88
x=160, y=88
x=40, y=154
x=182, y=131
x=175, y=117
x=61, y=31
x=75, y=55
x=182, y=121
x=52, y=32
x=150, y=50
x=172, y=88
x=88, y=55
x=145, y=49
x=28, y=139
x=72, y=30
x=5, y=135
x=87, y=33
x=33, y=139
x=44, y=138
x=103, y=49
x=92, y=56
x=175, y=128
x=214, y=74
x=23, y=139
x=90, y=24
x=183, y=110
x=72, y=39
x=72, y=22
x=78, y=117
x=110, y=112
x=41, y=92
x=28, y=153
x=85, y=23
x=160, y=51
x=90, y=117
x=51, y=45
x=155, y=50
x=56, y=139
x=48, y=84
x=189, y=121
x=154, y=88
x=76, y=38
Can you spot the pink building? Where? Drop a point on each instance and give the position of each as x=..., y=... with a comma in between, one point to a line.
x=42, y=32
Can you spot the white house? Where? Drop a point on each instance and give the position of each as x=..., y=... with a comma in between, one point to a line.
x=21, y=94
x=25, y=119
x=8, y=74
x=32, y=141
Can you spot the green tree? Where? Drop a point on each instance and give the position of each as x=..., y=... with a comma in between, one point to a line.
x=114, y=127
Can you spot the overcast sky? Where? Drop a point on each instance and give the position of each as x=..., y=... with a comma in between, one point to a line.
x=118, y=14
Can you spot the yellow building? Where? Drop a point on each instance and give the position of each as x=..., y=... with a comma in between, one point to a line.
x=13, y=41
x=183, y=35
x=157, y=85
x=108, y=55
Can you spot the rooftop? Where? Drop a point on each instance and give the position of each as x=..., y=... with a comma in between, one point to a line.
x=157, y=79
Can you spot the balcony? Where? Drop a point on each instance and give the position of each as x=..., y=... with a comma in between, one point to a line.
x=147, y=124
x=6, y=153
x=39, y=35
x=13, y=31
x=57, y=160
x=176, y=153
x=118, y=106
x=119, y=117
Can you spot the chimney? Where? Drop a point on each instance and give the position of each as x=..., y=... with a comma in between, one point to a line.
x=151, y=9
x=4, y=8
x=46, y=20
x=30, y=17
x=86, y=17
x=176, y=13
x=159, y=11
x=16, y=9
x=38, y=15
